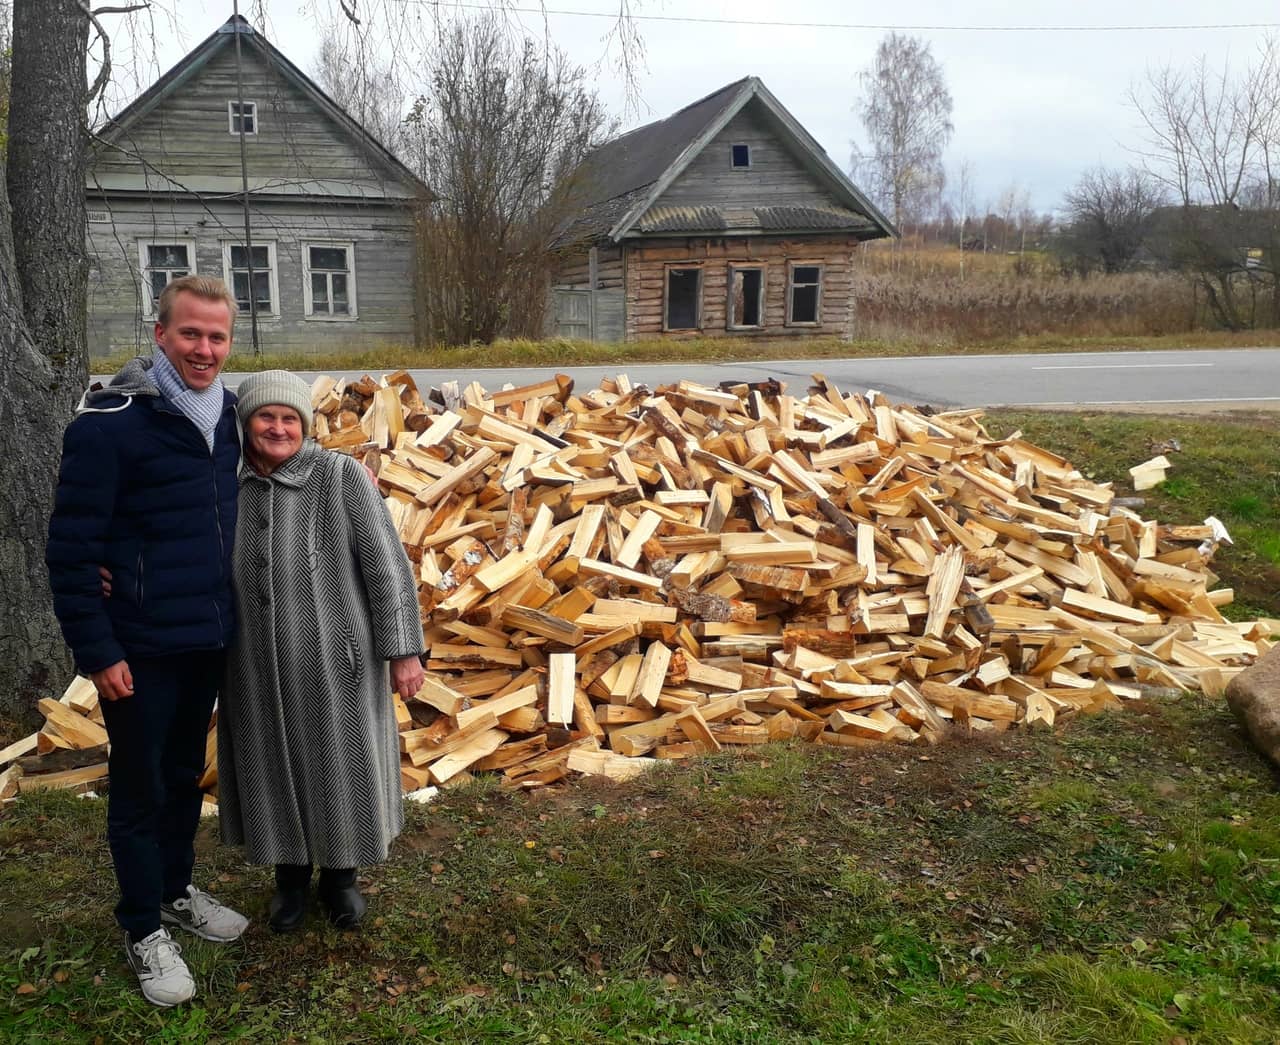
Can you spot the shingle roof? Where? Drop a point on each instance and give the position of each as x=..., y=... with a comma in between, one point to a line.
x=637, y=159
x=614, y=182
x=751, y=219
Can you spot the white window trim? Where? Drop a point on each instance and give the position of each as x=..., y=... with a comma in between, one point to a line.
x=746, y=166
x=273, y=268
x=144, y=269
x=231, y=117
x=323, y=317
x=731, y=321
x=791, y=284
x=666, y=297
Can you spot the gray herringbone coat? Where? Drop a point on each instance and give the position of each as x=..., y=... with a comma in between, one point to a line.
x=308, y=758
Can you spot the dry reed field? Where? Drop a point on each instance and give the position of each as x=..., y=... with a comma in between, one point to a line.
x=907, y=290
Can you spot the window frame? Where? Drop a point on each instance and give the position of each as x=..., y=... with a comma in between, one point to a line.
x=149, y=310
x=666, y=295
x=273, y=268
x=232, y=114
x=739, y=166
x=791, y=286
x=731, y=321
x=308, y=311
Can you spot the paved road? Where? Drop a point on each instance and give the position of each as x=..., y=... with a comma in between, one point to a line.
x=1190, y=379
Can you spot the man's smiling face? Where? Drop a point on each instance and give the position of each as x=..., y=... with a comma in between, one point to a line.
x=196, y=339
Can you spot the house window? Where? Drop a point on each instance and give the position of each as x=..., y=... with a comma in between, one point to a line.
x=746, y=297
x=161, y=262
x=235, y=267
x=242, y=113
x=330, y=280
x=741, y=156
x=683, y=306
x=804, y=295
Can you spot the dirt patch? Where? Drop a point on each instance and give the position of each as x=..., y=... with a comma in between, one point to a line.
x=19, y=928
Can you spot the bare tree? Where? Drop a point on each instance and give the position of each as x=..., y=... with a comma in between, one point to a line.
x=501, y=125
x=1014, y=200
x=1108, y=217
x=905, y=108
x=1213, y=139
x=366, y=86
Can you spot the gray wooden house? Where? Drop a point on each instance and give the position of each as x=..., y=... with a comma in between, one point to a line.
x=725, y=219
x=331, y=243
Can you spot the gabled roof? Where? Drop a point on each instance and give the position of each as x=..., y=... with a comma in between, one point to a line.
x=225, y=36
x=618, y=182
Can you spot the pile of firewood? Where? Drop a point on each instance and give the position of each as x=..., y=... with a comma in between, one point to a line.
x=619, y=576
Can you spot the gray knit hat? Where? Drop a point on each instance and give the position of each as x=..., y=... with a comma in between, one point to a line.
x=274, y=387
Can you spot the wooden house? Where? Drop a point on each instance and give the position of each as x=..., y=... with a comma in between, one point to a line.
x=725, y=219
x=330, y=248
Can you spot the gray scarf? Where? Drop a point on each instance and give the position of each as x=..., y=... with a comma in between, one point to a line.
x=202, y=406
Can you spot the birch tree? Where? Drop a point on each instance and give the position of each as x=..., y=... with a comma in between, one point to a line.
x=905, y=108
x=1212, y=138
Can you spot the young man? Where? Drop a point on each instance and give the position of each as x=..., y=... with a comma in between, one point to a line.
x=148, y=490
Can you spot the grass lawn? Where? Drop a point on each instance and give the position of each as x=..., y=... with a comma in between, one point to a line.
x=1117, y=880
x=564, y=353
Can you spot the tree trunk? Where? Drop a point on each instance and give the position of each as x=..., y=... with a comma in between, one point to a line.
x=43, y=358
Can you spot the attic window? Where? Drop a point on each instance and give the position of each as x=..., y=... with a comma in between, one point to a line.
x=242, y=112
x=741, y=156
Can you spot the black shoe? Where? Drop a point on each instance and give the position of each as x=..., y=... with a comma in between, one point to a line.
x=288, y=909
x=340, y=896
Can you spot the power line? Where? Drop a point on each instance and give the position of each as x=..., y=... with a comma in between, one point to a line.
x=870, y=26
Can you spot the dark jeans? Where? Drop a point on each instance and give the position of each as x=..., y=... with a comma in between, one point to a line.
x=157, y=756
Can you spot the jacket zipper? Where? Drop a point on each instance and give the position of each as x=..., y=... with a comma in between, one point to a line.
x=217, y=506
x=217, y=519
x=138, y=586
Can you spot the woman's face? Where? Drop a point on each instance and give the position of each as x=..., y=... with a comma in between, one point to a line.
x=275, y=434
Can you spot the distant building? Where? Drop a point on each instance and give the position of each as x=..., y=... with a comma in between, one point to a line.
x=1221, y=237
x=331, y=211
x=725, y=219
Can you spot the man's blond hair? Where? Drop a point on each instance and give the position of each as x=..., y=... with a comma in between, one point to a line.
x=208, y=287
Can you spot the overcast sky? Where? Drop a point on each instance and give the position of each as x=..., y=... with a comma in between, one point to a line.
x=1033, y=107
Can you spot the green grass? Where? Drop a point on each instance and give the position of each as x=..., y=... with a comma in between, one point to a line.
x=1118, y=880
x=565, y=353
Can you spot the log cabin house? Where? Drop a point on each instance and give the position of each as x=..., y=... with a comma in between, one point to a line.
x=725, y=219
x=331, y=249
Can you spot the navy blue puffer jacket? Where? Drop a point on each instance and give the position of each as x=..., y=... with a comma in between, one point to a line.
x=141, y=494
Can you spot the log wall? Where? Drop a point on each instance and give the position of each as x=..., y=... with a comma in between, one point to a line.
x=647, y=262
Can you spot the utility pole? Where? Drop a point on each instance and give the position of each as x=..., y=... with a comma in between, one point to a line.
x=244, y=182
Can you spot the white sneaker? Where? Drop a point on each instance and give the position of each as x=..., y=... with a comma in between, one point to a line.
x=162, y=974
x=201, y=914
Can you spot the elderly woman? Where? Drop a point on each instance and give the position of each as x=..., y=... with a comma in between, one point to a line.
x=308, y=760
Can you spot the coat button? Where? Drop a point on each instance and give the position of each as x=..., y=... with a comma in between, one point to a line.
x=264, y=523
x=262, y=562
x=265, y=599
